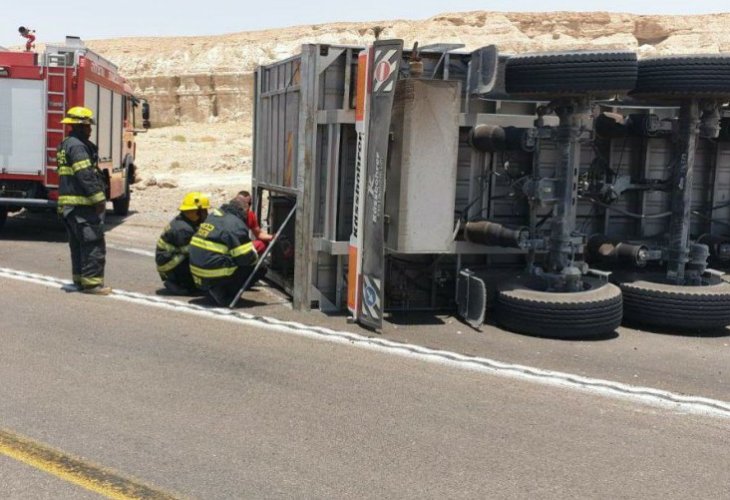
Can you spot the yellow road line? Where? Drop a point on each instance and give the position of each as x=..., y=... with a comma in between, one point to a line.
x=75, y=470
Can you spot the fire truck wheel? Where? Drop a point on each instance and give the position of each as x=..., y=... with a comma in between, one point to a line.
x=3, y=217
x=595, y=312
x=121, y=204
x=672, y=76
x=559, y=74
x=650, y=301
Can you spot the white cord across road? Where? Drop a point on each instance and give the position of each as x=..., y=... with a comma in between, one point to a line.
x=644, y=395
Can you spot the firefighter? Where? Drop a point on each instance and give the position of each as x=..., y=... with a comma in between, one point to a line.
x=171, y=255
x=222, y=256
x=82, y=202
x=27, y=34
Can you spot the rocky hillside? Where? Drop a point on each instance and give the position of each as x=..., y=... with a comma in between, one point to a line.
x=208, y=79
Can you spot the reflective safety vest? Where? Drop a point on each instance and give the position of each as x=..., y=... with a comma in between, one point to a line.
x=80, y=181
x=173, y=244
x=220, y=246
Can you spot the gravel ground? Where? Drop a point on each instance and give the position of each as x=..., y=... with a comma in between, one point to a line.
x=213, y=157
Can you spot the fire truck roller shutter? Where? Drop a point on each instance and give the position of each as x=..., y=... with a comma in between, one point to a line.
x=22, y=132
x=91, y=101
x=104, y=125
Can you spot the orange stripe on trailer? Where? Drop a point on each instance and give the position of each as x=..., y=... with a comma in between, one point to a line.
x=352, y=279
x=362, y=74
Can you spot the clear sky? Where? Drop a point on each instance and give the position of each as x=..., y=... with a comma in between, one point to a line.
x=104, y=19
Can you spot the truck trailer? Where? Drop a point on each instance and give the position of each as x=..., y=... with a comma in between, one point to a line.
x=566, y=192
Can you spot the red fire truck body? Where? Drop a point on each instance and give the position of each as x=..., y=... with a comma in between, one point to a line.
x=35, y=91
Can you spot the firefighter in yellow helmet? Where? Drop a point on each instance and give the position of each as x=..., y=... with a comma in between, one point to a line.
x=222, y=256
x=171, y=255
x=82, y=202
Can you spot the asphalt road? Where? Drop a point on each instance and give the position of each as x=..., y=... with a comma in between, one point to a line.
x=207, y=408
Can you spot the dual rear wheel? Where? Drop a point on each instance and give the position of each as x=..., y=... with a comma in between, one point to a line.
x=523, y=305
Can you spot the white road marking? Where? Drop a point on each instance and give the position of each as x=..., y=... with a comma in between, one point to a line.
x=136, y=251
x=608, y=388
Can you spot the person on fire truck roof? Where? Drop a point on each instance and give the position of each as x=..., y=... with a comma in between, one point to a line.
x=171, y=255
x=82, y=202
x=27, y=33
x=222, y=256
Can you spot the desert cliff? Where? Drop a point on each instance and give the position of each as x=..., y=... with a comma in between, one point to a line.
x=209, y=79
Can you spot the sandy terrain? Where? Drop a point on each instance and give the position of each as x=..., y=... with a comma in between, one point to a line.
x=213, y=158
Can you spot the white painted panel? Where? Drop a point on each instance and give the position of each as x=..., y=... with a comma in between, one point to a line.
x=117, y=120
x=91, y=101
x=22, y=126
x=104, y=124
x=421, y=178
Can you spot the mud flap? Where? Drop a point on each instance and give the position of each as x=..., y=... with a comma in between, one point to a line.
x=471, y=298
x=383, y=67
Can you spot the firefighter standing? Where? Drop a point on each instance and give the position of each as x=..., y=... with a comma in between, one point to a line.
x=82, y=202
x=171, y=255
x=222, y=255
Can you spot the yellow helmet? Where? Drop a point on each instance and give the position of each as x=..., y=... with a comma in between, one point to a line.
x=79, y=115
x=195, y=201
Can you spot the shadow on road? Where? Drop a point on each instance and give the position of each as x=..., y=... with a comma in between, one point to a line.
x=45, y=226
x=27, y=226
x=243, y=303
x=415, y=318
x=716, y=333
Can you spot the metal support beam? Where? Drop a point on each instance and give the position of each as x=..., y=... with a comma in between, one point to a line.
x=682, y=181
x=306, y=162
x=716, y=196
x=561, y=247
x=646, y=144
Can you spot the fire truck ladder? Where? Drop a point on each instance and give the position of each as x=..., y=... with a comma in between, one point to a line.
x=56, y=75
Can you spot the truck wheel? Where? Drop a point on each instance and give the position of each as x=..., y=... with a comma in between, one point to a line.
x=674, y=76
x=121, y=204
x=559, y=74
x=595, y=312
x=649, y=300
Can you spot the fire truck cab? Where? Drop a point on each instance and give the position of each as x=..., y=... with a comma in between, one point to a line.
x=35, y=91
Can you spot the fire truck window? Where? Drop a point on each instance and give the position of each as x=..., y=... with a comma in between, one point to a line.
x=91, y=101
x=117, y=122
x=104, y=124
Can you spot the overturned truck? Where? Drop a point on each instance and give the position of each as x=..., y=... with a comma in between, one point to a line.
x=567, y=192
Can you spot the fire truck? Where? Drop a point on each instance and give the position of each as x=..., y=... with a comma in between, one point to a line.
x=35, y=91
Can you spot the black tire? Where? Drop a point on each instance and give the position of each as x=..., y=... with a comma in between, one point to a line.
x=121, y=204
x=3, y=217
x=595, y=312
x=571, y=73
x=648, y=301
x=672, y=76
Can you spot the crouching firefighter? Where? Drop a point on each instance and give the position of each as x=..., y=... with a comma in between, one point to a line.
x=82, y=202
x=171, y=255
x=222, y=256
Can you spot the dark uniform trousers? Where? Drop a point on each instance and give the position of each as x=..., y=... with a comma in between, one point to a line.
x=171, y=254
x=222, y=256
x=88, y=249
x=227, y=288
x=180, y=275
